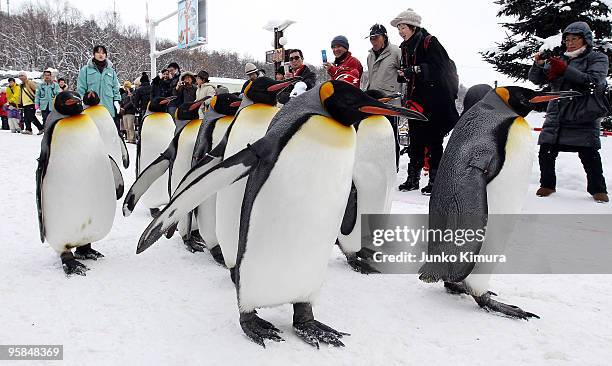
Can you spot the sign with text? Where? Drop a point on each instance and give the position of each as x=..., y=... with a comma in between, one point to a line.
x=191, y=23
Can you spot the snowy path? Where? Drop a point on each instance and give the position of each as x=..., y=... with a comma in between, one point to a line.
x=169, y=307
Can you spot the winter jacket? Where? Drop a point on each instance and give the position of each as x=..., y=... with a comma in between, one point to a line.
x=203, y=91
x=12, y=95
x=127, y=103
x=160, y=88
x=3, y=104
x=184, y=94
x=308, y=77
x=142, y=96
x=27, y=93
x=45, y=94
x=173, y=82
x=575, y=121
x=382, y=70
x=346, y=65
x=104, y=83
x=430, y=87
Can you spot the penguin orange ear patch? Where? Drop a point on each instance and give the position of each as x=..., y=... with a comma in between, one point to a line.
x=326, y=91
x=213, y=102
x=503, y=93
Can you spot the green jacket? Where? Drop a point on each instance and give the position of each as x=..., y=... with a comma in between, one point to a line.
x=104, y=83
x=45, y=94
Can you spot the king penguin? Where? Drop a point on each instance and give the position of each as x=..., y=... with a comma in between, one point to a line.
x=156, y=132
x=374, y=177
x=106, y=125
x=77, y=183
x=298, y=181
x=485, y=170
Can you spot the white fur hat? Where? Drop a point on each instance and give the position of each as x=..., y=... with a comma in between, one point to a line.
x=407, y=16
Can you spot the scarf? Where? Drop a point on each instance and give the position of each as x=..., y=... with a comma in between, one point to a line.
x=100, y=65
x=575, y=53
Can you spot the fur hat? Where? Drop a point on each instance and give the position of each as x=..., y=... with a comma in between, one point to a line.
x=407, y=16
x=340, y=41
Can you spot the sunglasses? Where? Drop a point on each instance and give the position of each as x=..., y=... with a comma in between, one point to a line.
x=294, y=58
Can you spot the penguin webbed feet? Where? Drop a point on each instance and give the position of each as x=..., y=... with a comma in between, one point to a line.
x=194, y=243
x=458, y=288
x=258, y=329
x=217, y=255
x=313, y=331
x=71, y=266
x=359, y=264
x=86, y=252
x=486, y=302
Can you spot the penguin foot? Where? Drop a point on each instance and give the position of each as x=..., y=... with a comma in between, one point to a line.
x=86, y=252
x=366, y=254
x=195, y=236
x=512, y=311
x=193, y=246
x=458, y=288
x=71, y=266
x=154, y=212
x=258, y=329
x=217, y=255
x=311, y=330
x=360, y=265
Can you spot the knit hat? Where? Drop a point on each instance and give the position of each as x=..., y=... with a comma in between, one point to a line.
x=250, y=68
x=340, y=41
x=407, y=16
x=144, y=78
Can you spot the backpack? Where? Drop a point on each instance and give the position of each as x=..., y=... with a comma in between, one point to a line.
x=453, y=80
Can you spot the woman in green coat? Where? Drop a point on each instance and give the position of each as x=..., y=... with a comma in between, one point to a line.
x=99, y=76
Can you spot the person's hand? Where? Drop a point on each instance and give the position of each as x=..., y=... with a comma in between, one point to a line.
x=327, y=65
x=557, y=68
x=401, y=73
x=36, y=106
x=288, y=75
x=537, y=59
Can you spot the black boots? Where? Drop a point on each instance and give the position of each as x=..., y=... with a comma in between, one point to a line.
x=412, y=182
x=426, y=191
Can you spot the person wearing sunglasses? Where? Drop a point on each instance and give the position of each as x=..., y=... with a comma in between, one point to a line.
x=297, y=68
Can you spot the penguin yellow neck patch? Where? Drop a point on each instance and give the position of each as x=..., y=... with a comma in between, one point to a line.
x=213, y=102
x=326, y=91
x=247, y=88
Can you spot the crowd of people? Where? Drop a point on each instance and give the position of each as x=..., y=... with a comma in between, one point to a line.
x=419, y=69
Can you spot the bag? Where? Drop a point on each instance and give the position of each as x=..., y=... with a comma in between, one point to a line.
x=584, y=109
x=453, y=77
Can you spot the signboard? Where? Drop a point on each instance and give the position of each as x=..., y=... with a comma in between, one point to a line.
x=277, y=55
x=191, y=23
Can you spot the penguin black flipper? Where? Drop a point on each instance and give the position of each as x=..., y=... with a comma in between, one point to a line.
x=41, y=170
x=125, y=156
x=199, y=188
x=118, y=178
x=350, y=214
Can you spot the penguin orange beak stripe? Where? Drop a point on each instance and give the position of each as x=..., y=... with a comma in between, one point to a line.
x=543, y=98
x=195, y=105
x=377, y=110
x=71, y=101
x=283, y=85
x=384, y=100
x=235, y=104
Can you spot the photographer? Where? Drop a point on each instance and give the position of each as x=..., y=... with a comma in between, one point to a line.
x=185, y=90
x=573, y=124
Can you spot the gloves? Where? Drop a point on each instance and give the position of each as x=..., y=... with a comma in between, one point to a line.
x=299, y=88
x=117, y=106
x=557, y=68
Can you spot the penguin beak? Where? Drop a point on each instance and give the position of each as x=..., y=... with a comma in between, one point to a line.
x=235, y=104
x=197, y=104
x=388, y=110
x=167, y=100
x=284, y=84
x=546, y=97
x=72, y=101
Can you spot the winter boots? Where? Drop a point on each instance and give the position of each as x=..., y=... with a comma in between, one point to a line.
x=601, y=197
x=426, y=191
x=412, y=182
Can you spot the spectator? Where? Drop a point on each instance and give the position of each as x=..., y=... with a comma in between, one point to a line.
x=4, y=109
x=62, y=84
x=297, y=68
x=384, y=60
x=26, y=101
x=174, y=72
x=99, y=76
x=12, y=97
x=279, y=74
x=204, y=89
x=573, y=124
x=185, y=90
x=128, y=111
x=160, y=87
x=142, y=95
x=45, y=94
x=345, y=67
x=426, y=69
x=252, y=73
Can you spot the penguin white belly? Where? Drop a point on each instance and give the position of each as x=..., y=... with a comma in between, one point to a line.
x=78, y=190
x=374, y=175
x=155, y=136
x=207, y=211
x=182, y=161
x=108, y=131
x=250, y=126
x=505, y=195
x=296, y=215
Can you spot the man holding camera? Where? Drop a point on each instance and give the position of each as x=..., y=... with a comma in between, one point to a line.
x=297, y=68
x=346, y=67
x=573, y=124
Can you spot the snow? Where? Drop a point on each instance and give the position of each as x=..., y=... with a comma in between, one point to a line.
x=551, y=42
x=167, y=306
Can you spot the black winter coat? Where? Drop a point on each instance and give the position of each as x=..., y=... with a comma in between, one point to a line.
x=161, y=88
x=431, y=87
x=127, y=103
x=308, y=77
x=142, y=96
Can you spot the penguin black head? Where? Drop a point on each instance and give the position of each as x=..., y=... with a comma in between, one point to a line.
x=348, y=104
x=523, y=100
x=226, y=104
x=264, y=90
x=189, y=111
x=91, y=98
x=159, y=104
x=68, y=103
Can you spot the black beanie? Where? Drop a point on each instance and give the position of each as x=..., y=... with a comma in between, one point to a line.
x=144, y=77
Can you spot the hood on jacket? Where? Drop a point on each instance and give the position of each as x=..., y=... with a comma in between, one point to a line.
x=582, y=29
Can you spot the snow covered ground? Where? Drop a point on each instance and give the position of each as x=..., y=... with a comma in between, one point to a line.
x=170, y=307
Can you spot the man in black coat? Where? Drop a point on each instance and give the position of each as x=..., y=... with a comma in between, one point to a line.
x=573, y=124
x=297, y=68
x=160, y=88
x=429, y=77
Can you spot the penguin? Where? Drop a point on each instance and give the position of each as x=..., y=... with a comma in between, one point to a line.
x=373, y=184
x=298, y=177
x=106, y=125
x=77, y=183
x=177, y=159
x=156, y=132
x=485, y=170
x=217, y=120
x=474, y=95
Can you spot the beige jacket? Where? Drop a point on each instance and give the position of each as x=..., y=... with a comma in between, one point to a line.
x=203, y=91
x=382, y=71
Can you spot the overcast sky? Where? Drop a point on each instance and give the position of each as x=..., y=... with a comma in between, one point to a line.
x=463, y=27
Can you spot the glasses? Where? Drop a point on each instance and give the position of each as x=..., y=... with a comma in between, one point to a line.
x=294, y=58
x=572, y=39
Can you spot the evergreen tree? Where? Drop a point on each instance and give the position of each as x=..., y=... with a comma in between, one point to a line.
x=536, y=21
